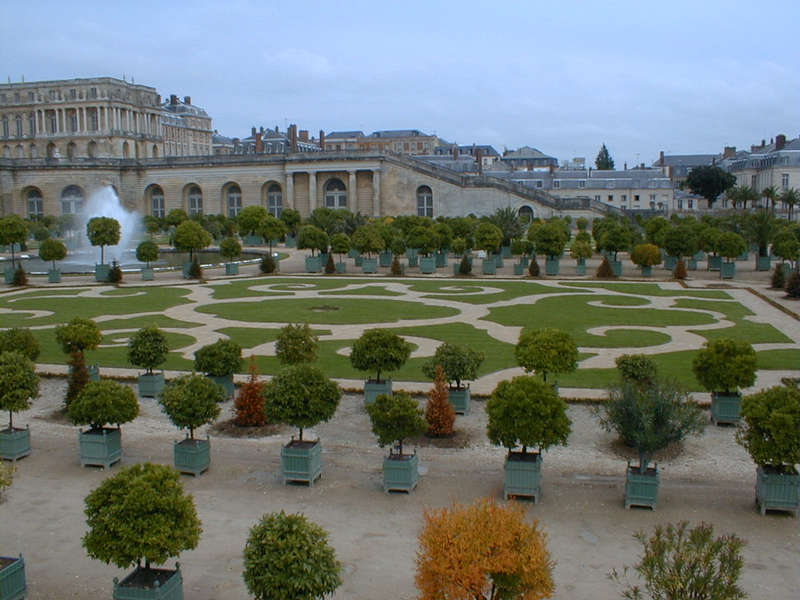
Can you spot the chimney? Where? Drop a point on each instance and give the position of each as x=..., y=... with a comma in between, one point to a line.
x=729, y=152
x=763, y=143
x=293, y=137
x=303, y=133
x=661, y=159
x=173, y=99
x=158, y=99
x=624, y=166
x=321, y=139
x=455, y=152
x=479, y=159
x=261, y=129
x=259, y=144
x=187, y=99
x=252, y=131
x=780, y=141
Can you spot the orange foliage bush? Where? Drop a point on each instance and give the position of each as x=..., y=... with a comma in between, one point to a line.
x=484, y=551
x=439, y=413
x=249, y=404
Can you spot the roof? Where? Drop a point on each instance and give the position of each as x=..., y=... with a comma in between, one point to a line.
x=687, y=160
x=344, y=134
x=397, y=133
x=526, y=152
x=181, y=108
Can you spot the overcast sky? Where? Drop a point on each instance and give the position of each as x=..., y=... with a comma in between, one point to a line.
x=564, y=77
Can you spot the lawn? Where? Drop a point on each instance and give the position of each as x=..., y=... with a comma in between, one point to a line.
x=743, y=330
x=250, y=337
x=650, y=289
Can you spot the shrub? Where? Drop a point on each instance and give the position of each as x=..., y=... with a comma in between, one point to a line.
x=75, y=338
x=604, y=271
x=148, y=348
x=52, y=250
x=484, y=551
x=21, y=340
x=439, y=413
x=78, y=376
x=379, y=350
x=793, y=285
x=195, y=270
x=7, y=471
x=191, y=401
x=18, y=383
x=778, y=281
x=546, y=351
x=230, y=247
x=223, y=357
x=678, y=562
x=770, y=427
x=465, y=266
x=249, y=404
x=103, y=402
x=396, y=269
x=330, y=268
x=637, y=368
x=287, y=557
x=267, y=264
x=646, y=255
x=725, y=365
x=679, y=272
x=533, y=267
x=395, y=418
x=460, y=363
x=147, y=252
x=580, y=250
x=190, y=236
x=103, y=231
x=20, y=277
x=296, y=344
x=115, y=273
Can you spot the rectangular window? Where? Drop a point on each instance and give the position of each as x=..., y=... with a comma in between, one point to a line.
x=624, y=198
x=35, y=209
x=19, y=126
x=3, y=98
x=538, y=183
x=652, y=197
x=73, y=93
x=785, y=181
x=424, y=205
x=92, y=92
x=234, y=204
x=690, y=202
x=753, y=181
x=556, y=184
x=73, y=123
x=158, y=206
x=611, y=197
x=680, y=204
x=636, y=197
x=93, y=121
x=597, y=197
x=52, y=94
x=581, y=183
x=5, y=127
x=31, y=96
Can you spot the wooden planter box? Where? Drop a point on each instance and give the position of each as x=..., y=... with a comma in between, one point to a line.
x=373, y=389
x=301, y=461
x=100, y=447
x=225, y=381
x=186, y=268
x=427, y=264
x=523, y=477
x=291, y=241
x=647, y=271
x=459, y=398
x=12, y=578
x=641, y=489
x=580, y=267
x=147, y=584
x=498, y=261
x=253, y=240
x=15, y=444
x=489, y=266
x=231, y=268
x=101, y=272
x=762, y=263
x=616, y=267
x=519, y=269
x=400, y=472
x=714, y=263
x=385, y=259
x=192, y=456
x=727, y=270
x=147, y=274
x=369, y=265
x=8, y=275
x=150, y=386
x=313, y=264
x=341, y=267
x=54, y=276
x=441, y=259
x=726, y=408
x=551, y=265
x=777, y=491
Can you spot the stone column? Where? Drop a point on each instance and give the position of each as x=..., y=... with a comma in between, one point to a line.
x=312, y=190
x=85, y=127
x=376, y=193
x=58, y=120
x=352, y=194
x=290, y=190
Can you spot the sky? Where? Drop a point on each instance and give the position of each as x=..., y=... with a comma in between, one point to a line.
x=563, y=77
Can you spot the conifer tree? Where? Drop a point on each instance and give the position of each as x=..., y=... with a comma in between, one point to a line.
x=249, y=404
x=604, y=162
x=439, y=412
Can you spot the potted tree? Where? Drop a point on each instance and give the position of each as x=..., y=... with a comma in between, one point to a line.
x=102, y=403
x=786, y=246
x=52, y=250
x=147, y=349
x=526, y=412
x=381, y=351
x=760, y=227
x=190, y=237
x=18, y=385
x=340, y=244
x=521, y=247
x=272, y=230
x=730, y=245
x=646, y=256
x=770, y=432
x=75, y=338
x=219, y=361
x=249, y=220
x=708, y=242
x=291, y=219
x=191, y=401
x=649, y=418
x=302, y=396
x=368, y=240
x=679, y=241
x=395, y=418
x=460, y=364
x=19, y=339
x=142, y=514
x=313, y=238
x=615, y=237
x=13, y=584
x=443, y=234
x=546, y=351
x=488, y=238
x=423, y=239
x=723, y=367
x=230, y=248
x=12, y=234
x=580, y=251
x=550, y=239
x=287, y=557
x=296, y=344
x=102, y=231
x=147, y=252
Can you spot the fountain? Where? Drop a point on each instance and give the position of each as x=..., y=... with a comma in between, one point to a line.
x=105, y=203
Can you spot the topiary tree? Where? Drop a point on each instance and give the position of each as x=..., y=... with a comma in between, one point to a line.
x=301, y=396
x=140, y=514
x=147, y=252
x=379, y=350
x=581, y=250
x=296, y=344
x=731, y=245
x=287, y=557
x=368, y=240
x=340, y=244
x=770, y=428
x=191, y=401
x=678, y=562
x=19, y=339
x=646, y=255
x=176, y=216
x=725, y=365
x=291, y=218
x=439, y=412
x=250, y=217
x=223, y=357
x=546, y=351
x=460, y=363
x=312, y=238
x=191, y=237
x=550, y=239
x=148, y=348
x=680, y=241
x=484, y=551
x=793, y=285
x=488, y=237
x=230, y=248
x=637, y=368
x=272, y=229
x=104, y=402
x=103, y=231
x=616, y=237
x=12, y=231
x=18, y=384
x=52, y=250
x=423, y=238
x=527, y=412
x=458, y=246
x=604, y=271
x=75, y=338
x=786, y=246
x=249, y=404
x=395, y=418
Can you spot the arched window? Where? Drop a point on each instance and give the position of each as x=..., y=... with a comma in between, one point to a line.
x=20, y=151
x=424, y=201
x=335, y=194
x=234, y=194
x=157, y=202
x=19, y=125
x=274, y=200
x=71, y=150
x=195, y=201
x=91, y=149
x=126, y=150
x=155, y=151
x=35, y=205
x=71, y=200
x=32, y=124
x=34, y=151
x=51, y=150
x=525, y=214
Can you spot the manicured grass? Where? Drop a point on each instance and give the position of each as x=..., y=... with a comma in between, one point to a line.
x=511, y=290
x=327, y=311
x=744, y=330
x=369, y=290
x=779, y=359
x=250, y=337
x=280, y=286
x=139, y=322
x=650, y=289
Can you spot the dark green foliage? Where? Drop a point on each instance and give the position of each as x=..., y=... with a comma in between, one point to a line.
x=395, y=418
x=650, y=418
x=546, y=351
x=527, y=412
x=12, y=231
x=141, y=513
x=709, y=181
x=340, y=244
x=604, y=271
x=646, y=255
x=770, y=427
x=312, y=238
x=103, y=402
x=19, y=339
x=637, y=368
x=223, y=357
x=147, y=348
x=616, y=237
x=368, y=240
x=521, y=247
x=20, y=277
x=78, y=376
x=725, y=365
x=680, y=563
x=18, y=383
x=379, y=350
x=550, y=239
x=793, y=285
x=778, y=281
x=302, y=396
x=679, y=272
x=103, y=231
x=444, y=236
x=78, y=335
x=582, y=223
x=115, y=273
x=581, y=249
x=508, y=222
x=147, y=252
x=423, y=239
x=330, y=267
x=296, y=344
x=785, y=245
x=195, y=271
x=52, y=250
x=291, y=218
x=759, y=228
x=267, y=264
x=177, y=216
x=230, y=247
x=730, y=244
x=488, y=237
x=533, y=267
x=287, y=557
x=271, y=229
x=250, y=218
x=460, y=363
x=191, y=401
x=680, y=241
x=190, y=236
x=604, y=162
x=465, y=266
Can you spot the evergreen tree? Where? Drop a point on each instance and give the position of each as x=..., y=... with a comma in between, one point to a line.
x=604, y=162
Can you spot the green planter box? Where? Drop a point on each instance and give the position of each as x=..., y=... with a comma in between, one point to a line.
x=727, y=270
x=505, y=251
x=373, y=389
x=225, y=381
x=102, y=272
x=341, y=267
x=525, y=261
x=441, y=259
x=647, y=271
x=743, y=256
x=150, y=386
x=54, y=276
x=551, y=265
x=498, y=261
x=777, y=491
x=369, y=265
x=523, y=477
x=670, y=262
x=147, y=274
x=353, y=253
x=301, y=461
x=100, y=447
x=699, y=255
x=359, y=260
x=8, y=275
x=427, y=264
x=616, y=267
x=692, y=264
x=253, y=240
x=291, y=241
x=192, y=456
x=580, y=268
x=488, y=266
x=725, y=408
x=186, y=268
x=15, y=444
x=519, y=269
x=400, y=472
x=385, y=259
x=413, y=257
x=313, y=264
x=12, y=578
x=459, y=398
x=762, y=263
x=94, y=373
x=714, y=263
x=139, y=585
x=787, y=269
x=641, y=489
x=231, y=268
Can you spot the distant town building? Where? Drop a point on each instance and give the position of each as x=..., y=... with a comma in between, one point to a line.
x=268, y=141
x=776, y=164
x=186, y=128
x=529, y=159
x=483, y=154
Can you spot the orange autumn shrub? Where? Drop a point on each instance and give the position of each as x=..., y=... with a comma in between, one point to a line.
x=249, y=404
x=439, y=412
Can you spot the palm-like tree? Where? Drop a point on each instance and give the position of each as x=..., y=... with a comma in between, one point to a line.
x=742, y=194
x=771, y=194
x=790, y=198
